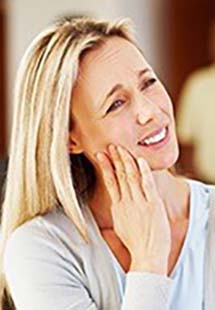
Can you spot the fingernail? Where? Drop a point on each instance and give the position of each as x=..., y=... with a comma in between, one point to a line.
x=111, y=147
x=140, y=161
x=99, y=156
x=119, y=148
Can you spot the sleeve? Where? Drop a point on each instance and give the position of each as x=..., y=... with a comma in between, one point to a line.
x=148, y=291
x=39, y=277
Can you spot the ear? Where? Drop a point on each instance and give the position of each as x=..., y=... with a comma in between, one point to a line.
x=74, y=145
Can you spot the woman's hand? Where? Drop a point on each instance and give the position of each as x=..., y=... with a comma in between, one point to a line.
x=139, y=216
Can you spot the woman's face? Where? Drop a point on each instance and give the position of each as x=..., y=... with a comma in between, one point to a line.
x=118, y=99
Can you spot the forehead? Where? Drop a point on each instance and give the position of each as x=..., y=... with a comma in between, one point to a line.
x=116, y=61
x=114, y=50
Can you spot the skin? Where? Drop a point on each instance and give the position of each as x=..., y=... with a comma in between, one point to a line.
x=142, y=111
x=140, y=106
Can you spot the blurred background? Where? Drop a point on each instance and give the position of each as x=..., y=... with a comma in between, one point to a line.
x=176, y=37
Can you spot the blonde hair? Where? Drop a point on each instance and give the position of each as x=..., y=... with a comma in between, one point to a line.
x=41, y=174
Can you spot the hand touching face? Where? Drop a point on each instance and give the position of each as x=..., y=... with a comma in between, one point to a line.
x=138, y=213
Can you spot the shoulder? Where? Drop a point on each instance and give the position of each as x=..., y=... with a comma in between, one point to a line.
x=49, y=237
x=200, y=186
x=200, y=193
x=44, y=258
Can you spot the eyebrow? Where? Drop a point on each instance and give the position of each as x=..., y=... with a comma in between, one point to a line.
x=120, y=86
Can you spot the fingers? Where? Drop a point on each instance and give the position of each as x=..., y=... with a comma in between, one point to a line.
x=147, y=181
x=109, y=177
x=120, y=171
x=137, y=180
x=132, y=173
x=131, y=178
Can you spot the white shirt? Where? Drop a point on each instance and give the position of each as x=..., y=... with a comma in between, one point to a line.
x=48, y=266
x=187, y=275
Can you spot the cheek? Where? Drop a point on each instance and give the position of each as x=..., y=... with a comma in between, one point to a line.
x=120, y=133
x=163, y=100
x=116, y=130
x=167, y=106
x=96, y=137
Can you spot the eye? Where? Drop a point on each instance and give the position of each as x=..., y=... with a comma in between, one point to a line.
x=115, y=105
x=148, y=83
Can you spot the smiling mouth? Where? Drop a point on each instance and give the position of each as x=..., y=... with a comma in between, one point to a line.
x=156, y=138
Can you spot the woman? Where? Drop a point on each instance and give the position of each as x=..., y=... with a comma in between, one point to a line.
x=92, y=217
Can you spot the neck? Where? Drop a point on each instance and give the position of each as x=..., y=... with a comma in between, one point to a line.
x=174, y=192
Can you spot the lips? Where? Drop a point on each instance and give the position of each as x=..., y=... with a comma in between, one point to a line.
x=152, y=135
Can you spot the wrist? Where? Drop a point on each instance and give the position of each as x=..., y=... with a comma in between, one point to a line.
x=158, y=267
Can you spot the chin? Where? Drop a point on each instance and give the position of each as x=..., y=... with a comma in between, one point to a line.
x=166, y=162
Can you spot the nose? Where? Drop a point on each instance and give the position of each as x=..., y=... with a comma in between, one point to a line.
x=147, y=111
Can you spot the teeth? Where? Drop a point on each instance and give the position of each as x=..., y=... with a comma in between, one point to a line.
x=160, y=136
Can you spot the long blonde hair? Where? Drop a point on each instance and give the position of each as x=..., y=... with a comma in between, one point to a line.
x=41, y=173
